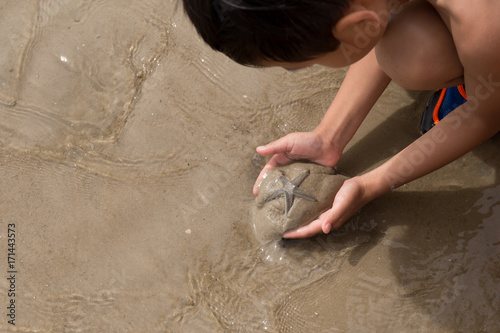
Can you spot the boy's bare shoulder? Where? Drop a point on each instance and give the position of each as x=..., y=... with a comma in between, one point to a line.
x=475, y=28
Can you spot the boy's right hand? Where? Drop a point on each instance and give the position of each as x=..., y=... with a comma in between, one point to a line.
x=309, y=146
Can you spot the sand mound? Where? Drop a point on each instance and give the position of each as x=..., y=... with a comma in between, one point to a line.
x=292, y=196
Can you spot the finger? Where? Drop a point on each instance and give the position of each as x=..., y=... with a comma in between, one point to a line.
x=276, y=160
x=279, y=146
x=326, y=226
x=326, y=221
x=271, y=164
x=309, y=230
x=333, y=217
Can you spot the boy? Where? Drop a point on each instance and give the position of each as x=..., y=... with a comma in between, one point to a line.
x=418, y=44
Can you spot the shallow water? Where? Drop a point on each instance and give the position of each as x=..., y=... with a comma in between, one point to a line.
x=127, y=162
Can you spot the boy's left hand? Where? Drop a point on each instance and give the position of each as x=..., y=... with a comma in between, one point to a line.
x=350, y=198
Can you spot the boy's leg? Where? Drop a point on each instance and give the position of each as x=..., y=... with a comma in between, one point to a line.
x=417, y=50
x=441, y=103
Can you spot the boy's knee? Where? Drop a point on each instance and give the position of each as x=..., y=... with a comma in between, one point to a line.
x=425, y=70
x=418, y=51
x=410, y=71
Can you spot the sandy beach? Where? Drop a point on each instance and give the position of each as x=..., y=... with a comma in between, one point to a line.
x=127, y=160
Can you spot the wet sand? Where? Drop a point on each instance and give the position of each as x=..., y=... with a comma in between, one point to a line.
x=127, y=159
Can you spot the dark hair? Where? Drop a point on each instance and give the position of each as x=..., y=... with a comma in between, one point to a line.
x=250, y=31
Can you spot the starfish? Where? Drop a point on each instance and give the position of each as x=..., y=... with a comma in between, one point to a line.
x=290, y=190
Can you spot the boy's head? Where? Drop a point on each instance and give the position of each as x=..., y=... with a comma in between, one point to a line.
x=253, y=31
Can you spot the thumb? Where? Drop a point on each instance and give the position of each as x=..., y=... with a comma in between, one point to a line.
x=329, y=218
x=326, y=226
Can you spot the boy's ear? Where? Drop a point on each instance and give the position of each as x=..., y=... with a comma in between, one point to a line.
x=353, y=18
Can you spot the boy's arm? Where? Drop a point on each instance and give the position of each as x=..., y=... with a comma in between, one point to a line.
x=459, y=132
x=364, y=83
